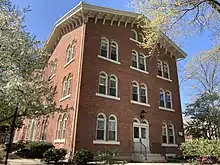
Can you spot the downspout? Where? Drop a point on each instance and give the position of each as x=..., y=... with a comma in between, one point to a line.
x=76, y=108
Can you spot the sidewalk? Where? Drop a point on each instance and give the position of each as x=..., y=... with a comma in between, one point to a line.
x=24, y=162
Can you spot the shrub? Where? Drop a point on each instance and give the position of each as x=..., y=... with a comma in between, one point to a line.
x=83, y=156
x=20, y=145
x=54, y=155
x=37, y=149
x=109, y=156
x=200, y=148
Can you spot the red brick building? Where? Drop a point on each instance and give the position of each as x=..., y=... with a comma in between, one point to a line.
x=121, y=96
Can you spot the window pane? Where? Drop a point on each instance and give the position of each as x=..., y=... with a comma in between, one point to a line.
x=161, y=99
x=142, y=63
x=113, y=52
x=164, y=138
x=111, y=125
x=104, y=48
x=73, y=51
x=171, y=140
x=134, y=61
x=143, y=133
x=101, y=125
x=111, y=135
x=133, y=35
x=168, y=100
x=159, y=68
x=113, y=92
x=100, y=134
x=136, y=132
x=68, y=55
x=141, y=39
x=143, y=95
x=102, y=89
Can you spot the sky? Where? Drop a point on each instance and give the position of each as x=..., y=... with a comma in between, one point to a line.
x=44, y=14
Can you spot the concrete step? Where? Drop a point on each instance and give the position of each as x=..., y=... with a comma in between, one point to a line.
x=149, y=157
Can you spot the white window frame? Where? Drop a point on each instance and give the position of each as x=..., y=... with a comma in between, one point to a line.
x=161, y=66
x=116, y=126
x=59, y=125
x=144, y=86
x=173, y=133
x=64, y=124
x=116, y=47
x=106, y=82
x=164, y=98
x=69, y=84
x=64, y=86
x=168, y=70
x=142, y=36
x=68, y=54
x=104, y=126
x=144, y=58
x=135, y=83
x=166, y=132
x=43, y=129
x=171, y=102
x=135, y=53
x=107, y=42
x=115, y=78
x=136, y=35
x=32, y=130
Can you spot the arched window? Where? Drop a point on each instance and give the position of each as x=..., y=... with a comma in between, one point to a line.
x=103, y=79
x=114, y=51
x=64, y=121
x=134, y=59
x=55, y=66
x=166, y=73
x=112, y=128
x=73, y=50
x=44, y=129
x=104, y=47
x=101, y=127
x=159, y=68
x=134, y=35
x=32, y=130
x=162, y=98
x=69, y=84
x=168, y=100
x=135, y=91
x=164, y=133
x=68, y=53
x=64, y=87
x=142, y=62
x=143, y=93
x=113, y=86
x=59, y=127
x=171, y=134
x=141, y=38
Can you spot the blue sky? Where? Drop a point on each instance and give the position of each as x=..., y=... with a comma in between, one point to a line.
x=44, y=13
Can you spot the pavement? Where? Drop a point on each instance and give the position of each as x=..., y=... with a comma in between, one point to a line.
x=38, y=162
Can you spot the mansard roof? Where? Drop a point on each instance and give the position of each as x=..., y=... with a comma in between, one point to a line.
x=83, y=11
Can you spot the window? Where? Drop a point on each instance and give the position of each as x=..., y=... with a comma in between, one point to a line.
x=59, y=127
x=103, y=83
x=162, y=98
x=64, y=87
x=101, y=127
x=135, y=90
x=69, y=83
x=44, y=129
x=64, y=121
x=159, y=68
x=171, y=134
x=164, y=133
x=112, y=128
x=53, y=66
x=143, y=94
x=70, y=53
x=114, y=51
x=142, y=62
x=166, y=73
x=134, y=35
x=32, y=130
x=168, y=100
x=104, y=47
x=141, y=38
x=113, y=85
x=134, y=59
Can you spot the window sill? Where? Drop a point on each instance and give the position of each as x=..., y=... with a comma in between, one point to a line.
x=169, y=145
x=69, y=62
x=106, y=142
x=139, y=103
x=107, y=59
x=164, y=78
x=52, y=76
x=135, y=41
x=64, y=98
x=166, y=109
x=107, y=96
x=59, y=141
x=136, y=69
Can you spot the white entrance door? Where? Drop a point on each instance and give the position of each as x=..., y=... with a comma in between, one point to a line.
x=140, y=134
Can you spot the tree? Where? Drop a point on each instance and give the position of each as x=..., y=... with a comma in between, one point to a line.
x=177, y=19
x=204, y=115
x=22, y=62
x=203, y=72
